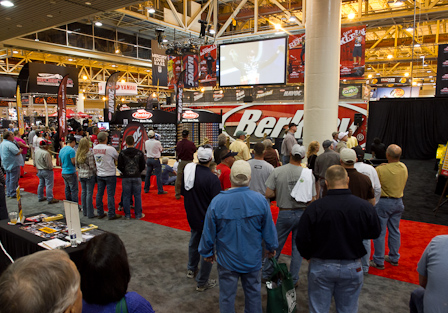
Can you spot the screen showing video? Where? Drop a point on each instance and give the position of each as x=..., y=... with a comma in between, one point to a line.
x=103, y=126
x=250, y=63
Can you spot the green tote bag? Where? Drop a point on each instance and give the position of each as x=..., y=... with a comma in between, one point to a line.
x=281, y=291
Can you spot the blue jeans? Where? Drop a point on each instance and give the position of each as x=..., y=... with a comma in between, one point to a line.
x=132, y=187
x=153, y=164
x=389, y=212
x=287, y=222
x=110, y=182
x=416, y=301
x=366, y=259
x=12, y=181
x=170, y=180
x=285, y=159
x=46, y=179
x=341, y=279
x=87, y=185
x=228, y=284
x=194, y=257
x=71, y=187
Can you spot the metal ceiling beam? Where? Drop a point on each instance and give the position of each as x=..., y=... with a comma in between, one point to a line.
x=229, y=20
x=176, y=14
x=193, y=18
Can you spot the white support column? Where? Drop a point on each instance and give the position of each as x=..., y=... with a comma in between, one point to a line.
x=80, y=103
x=323, y=33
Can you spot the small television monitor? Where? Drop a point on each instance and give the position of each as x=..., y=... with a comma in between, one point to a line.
x=103, y=126
x=261, y=62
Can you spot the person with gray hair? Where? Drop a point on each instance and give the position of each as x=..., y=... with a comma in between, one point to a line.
x=323, y=162
x=45, y=281
x=238, y=234
x=166, y=171
x=11, y=161
x=222, y=143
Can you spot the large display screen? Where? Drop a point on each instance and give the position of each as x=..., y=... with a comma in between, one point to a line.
x=261, y=62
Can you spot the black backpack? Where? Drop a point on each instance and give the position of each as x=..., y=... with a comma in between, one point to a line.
x=131, y=167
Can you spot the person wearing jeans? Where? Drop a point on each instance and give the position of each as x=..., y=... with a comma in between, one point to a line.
x=11, y=160
x=44, y=165
x=67, y=156
x=131, y=163
x=154, y=150
x=85, y=163
x=105, y=157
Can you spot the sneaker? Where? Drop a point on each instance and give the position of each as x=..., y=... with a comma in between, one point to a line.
x=42, y=200
x=163, y=193
x=53, y=201
x=102, y=215
x=115, y=217
x=210, y=284
x=191, y=274
x=139, y=218
x=387, y=259
x=177, y=197
x=120, y=208
x=377, y=266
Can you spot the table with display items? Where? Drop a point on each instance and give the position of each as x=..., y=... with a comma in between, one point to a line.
x=19, y=242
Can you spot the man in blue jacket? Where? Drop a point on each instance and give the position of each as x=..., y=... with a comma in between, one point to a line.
x=238, y=219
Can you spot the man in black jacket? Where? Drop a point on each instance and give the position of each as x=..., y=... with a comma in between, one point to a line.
x=131, y=163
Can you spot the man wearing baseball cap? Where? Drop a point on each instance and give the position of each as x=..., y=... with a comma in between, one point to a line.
x=44, y=166
x=280, y=185
x=223, y=168
x=342, y=144
x=185, y=150
x=154, y=150
x=238, y=234
x=240, y=146
x=199, y=186
x=288, y=142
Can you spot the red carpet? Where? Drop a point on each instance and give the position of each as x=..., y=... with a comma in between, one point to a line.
x=166, y=210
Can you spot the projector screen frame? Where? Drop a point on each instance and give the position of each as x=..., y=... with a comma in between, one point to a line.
x=285, y=38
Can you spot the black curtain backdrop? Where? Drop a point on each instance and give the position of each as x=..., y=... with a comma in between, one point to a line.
x=417, y=125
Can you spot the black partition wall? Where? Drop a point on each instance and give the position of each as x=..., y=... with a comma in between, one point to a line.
x=417, y=125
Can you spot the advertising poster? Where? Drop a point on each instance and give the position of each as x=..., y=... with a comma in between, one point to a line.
x=62, y=108
x=442, y=72
x=296, y=61
x=20, y=112
x=137, y=131
x=207, y=76
x=191, y=66
x=174, y=70
x=114, y=138
x=159, y=65
x=353, y=45
x=395, y=92
x=46, y=78
x=111, y=93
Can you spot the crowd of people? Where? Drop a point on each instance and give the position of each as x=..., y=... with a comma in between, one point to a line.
x=332, y=205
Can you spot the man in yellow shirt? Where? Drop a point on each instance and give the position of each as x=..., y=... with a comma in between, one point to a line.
x=240, y=146
x=393, y=176
x=351, y=141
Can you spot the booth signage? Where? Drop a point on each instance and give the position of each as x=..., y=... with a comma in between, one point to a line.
x=191, y=78
x=62, y=108
x=137, y=131
x=208, y=56
x=110, y=93
x=46, y=78
x=142, y=114
x=442, y=71
x=122, y=89
x=389, y=81
x=159, y=65
x=190, y=115
x=200, y=116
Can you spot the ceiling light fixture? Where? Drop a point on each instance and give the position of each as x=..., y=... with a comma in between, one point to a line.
x=406, y=74
x=7, y=4
x=390, y=56
x=84, y=77
x=351, y=16
x=410, y=29
x=416, y=45
x=370, y=76
x=151, y=10
x=277, y=26
x=70, y=59
x=98, y=23
x=117, y=50
x=123, y=81
x=292, y=18
x=15, y=52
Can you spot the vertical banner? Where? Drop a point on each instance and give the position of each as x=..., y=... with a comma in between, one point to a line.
x=207, y=76
x=353, y=45
x=159, y=65
x=20, y=217
x=46, y=112
x=174, y=69
x=191, y=67
x=296, y=60
x=20, y=121
x=62, y=108
x=179, y=102
x=442, y=71
x=111, y=93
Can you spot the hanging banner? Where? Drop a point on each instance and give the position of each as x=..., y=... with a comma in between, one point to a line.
x=207, y=76
x=174, y=69
x=46, y=78
x=442, y=72
x=46, y=113
x=62, y=108
x=123, y=89
x=353, y=45
x=296, y=62
x=137, y=131
x=20, y=112
x=159, y=65
x=111, y=93
x=191, y=67
x=179, y=103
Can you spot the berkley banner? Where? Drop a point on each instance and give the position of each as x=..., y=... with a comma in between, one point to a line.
x=442, y=72
x=200, y=116
x=296, y=62
x=353, y=45
x=144, y=116
x=208, y=56
x=174, y=70
x=137, y=131
x=111, y=93
x=159, y=65
x=191, y=67
x=62, y=108
x=20, y=112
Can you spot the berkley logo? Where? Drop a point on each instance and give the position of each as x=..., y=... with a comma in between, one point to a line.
x=190, y=115
x=142, y=114
x=445, y=63
x=445, y=77
x=445, y=50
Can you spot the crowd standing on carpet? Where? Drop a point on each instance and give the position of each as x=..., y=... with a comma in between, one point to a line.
x=332, y=207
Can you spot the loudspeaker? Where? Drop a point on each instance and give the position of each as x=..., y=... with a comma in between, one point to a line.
x=358, y=119
x=248, y=99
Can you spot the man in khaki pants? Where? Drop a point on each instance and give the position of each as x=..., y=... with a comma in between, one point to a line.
x=185, y=150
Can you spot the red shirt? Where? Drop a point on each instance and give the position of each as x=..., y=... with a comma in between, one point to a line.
x=224, y=175
x=94, y=139
x=185, y=150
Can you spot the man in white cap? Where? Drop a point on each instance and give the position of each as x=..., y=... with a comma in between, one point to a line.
x=154, y=150
x=343, y=137
x=199, y=186
x=280, y=184
x=240, y=146
x=238, y=220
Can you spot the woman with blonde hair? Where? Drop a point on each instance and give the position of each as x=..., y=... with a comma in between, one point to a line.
x=311, y=155
x=85, y=163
